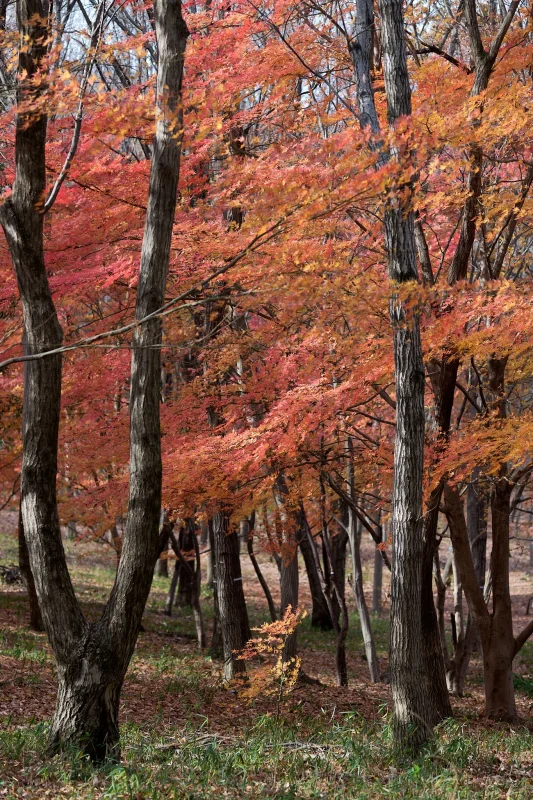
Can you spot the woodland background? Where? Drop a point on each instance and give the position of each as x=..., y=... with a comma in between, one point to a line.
x=332, y=320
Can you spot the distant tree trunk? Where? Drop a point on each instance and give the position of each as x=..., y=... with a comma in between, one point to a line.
x=195, y=573
x=161, y=567
x=377, y=584
x=338, y=543
x=476, y=521
x=354, y=536
x=289, y=583
x=36, y=620
x=289, y=577
x=187, y=577
x=496, y=629
x=216, y=649
x=92, y=658
x=233, y=615
x=172, y=589
x=257, y=568
x=320, y=616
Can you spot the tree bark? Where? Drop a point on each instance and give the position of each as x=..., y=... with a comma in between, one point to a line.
x=92, y=658
x=414, y=714
x=288, y=576
x=36, y=620
x=257, y=568
x=320, y=616
x=354, y=536
x=232, y=612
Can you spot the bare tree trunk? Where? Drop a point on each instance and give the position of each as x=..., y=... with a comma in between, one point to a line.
x=289, y=577
x=257, y=568
x=233, y=615
x=172, y=589
x=377, y=583
x=187, y=576
x=92, y=658
x=320, y=616
x=215, y=648
x=414, y=714
x=354, y=535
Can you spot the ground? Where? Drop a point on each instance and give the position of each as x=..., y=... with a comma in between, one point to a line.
x=185, y=735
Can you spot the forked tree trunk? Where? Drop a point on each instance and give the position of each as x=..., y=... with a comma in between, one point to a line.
x=496, y=629
x=92, y=658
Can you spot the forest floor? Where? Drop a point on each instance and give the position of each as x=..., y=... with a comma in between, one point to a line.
x=185, y=735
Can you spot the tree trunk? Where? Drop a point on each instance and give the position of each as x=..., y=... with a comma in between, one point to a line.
x=36, y=620
x=92, y=658
x=320, y=616
x=233, y=615
x=215, y=648
x=172, y=589
x=414, y=714
x=187, y=577
x=257, y=568
x=354, y=536
x=289, y=577
x=499, y=650
x=377, y=582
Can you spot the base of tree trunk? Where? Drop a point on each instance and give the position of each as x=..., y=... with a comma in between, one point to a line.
x=499, y=695
x=86, y=718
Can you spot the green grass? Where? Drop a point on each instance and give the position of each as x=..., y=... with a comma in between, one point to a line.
x=309, y=758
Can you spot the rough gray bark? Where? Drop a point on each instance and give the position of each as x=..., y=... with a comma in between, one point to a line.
x=232, y=612
x=92, y=658
x=360, y=46
x=413, y=710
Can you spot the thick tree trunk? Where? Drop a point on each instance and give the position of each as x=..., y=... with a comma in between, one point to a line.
x=92, y=658
x=233, y=615
x=414, y=714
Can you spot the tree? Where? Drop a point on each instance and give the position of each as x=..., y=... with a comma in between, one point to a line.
x=92, y=658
